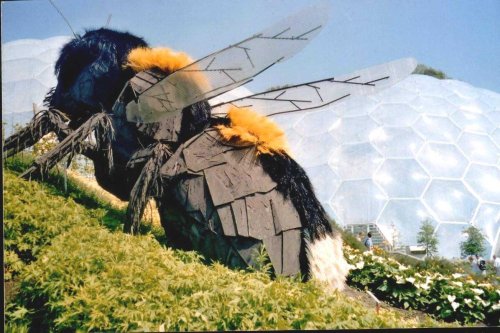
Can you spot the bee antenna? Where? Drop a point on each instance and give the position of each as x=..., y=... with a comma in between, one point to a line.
x=109, y=20
x=64, y=18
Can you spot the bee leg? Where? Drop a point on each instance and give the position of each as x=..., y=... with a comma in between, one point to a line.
x=43, y=123
x=74, y=143
x=148, y=185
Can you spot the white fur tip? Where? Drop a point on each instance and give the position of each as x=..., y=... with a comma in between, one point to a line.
x=326, y=261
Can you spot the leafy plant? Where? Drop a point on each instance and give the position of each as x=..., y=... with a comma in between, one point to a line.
x=426, y=238
x=454, y=297
x=84, y=277
x=474, y=244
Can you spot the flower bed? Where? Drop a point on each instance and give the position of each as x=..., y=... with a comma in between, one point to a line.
x=449, y=297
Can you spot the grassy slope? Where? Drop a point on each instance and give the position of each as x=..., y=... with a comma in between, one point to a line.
x=76, y=269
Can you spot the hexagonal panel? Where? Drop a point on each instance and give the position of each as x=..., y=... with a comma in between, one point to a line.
x=402, y=219
x=488, y=220
x=397, y=94
x=479, y=148
x=396, y=141
x=353, y=129
x=287, y=120
x=315, y=150
x=357, y=106
x=484, y=181
x=358, y=201
x=436, y=128
x=293, y=140
x=476, y=106
x=395, y=115
x=354, y=161
x=315, y=123
x=442, y=160
x=496, y=137
x=424, y=85
x=401, y=178
x=325, y=182
x=450, y=231
x=494, y=117
x=450, y=200
x=462, y=89
x=437, y=106
x=472, y=122
x=491, y=98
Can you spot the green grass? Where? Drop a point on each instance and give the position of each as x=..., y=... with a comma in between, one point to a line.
x=77, y=271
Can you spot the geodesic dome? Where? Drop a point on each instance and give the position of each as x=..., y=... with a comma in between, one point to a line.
x=423, y=149
x=27, y=75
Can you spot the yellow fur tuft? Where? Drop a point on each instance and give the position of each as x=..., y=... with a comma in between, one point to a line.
x=163, y=58
x=248, y=128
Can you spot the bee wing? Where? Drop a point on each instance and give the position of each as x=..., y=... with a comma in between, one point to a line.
x=228, y=68
x=321, y=93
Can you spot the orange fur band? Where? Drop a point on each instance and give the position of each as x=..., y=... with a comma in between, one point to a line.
x=248, y=128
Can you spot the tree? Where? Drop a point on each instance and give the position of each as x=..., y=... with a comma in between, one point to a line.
x=426, y=237
x=474, y=244
x=426, y=70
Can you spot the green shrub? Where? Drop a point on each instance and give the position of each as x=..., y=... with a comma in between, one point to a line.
x=84, y=277
x=33, y=217
x=454, y=297
x=92, y=279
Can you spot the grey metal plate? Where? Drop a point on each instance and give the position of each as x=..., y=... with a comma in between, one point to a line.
x=291, y=252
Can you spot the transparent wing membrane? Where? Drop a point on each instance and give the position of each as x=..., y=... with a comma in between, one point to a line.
x=229, y=68
x=321, y=93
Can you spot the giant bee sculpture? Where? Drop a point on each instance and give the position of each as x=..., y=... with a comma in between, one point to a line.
x=221, y=175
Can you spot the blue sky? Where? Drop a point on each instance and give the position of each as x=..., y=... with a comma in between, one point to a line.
x=460, y=37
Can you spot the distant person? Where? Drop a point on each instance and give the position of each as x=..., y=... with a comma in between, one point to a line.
x=481, y=264
x=496, y=264
x=359, y=237
x=473, y=265
x=368, y=242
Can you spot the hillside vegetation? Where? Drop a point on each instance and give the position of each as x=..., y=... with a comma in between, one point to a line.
x=76, y=270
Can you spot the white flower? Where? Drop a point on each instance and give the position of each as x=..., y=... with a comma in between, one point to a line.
x=487, y=285
x=468, y=301
x=498, y=291
x=485, y=304
x=456, y=275
x=451, y=298
x=418, y=274
x=351, y=257
x=477, y=291
x=399, y=279
x=496, y=306
x=402, y=268
x=471, y=282
x=423, y=286
x=454, y=305
x=457, y=283
x=410, y=279
x=478, y=298
x=360, y=265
